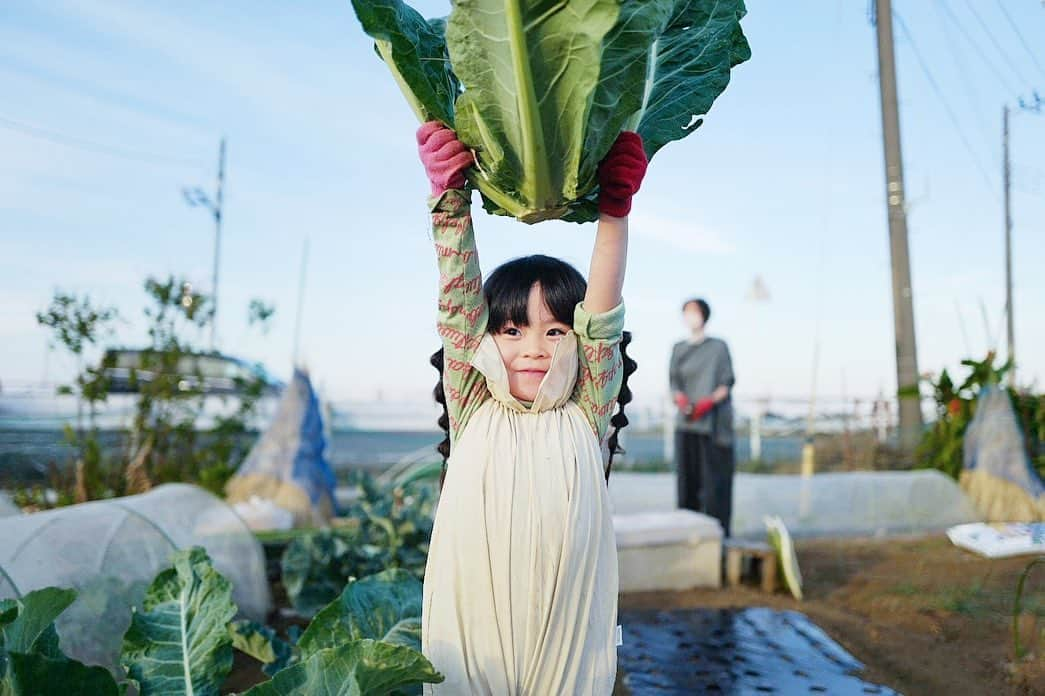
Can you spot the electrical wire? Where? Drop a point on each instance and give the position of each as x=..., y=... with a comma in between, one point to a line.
x=943, y=101
x=967, y=85
x=91, y=146
x=1019, y=35
x=990, y=35
x=986, y=61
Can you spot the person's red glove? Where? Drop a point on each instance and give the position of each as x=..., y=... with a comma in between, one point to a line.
x=702, y=408
x=445, y=157
x=621, y=173
x=682, y=403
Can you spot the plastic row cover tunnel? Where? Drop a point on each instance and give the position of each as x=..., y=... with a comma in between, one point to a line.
x=862, y=503
x=109, y=551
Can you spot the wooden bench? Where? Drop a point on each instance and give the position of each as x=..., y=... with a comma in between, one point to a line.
x=762, y=556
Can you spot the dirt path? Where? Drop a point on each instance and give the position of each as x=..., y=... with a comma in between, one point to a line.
x=922, y=615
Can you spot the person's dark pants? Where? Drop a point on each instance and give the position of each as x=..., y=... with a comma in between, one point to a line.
x=705, y=476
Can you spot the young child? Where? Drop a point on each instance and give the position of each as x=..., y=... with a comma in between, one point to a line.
x=520, y=591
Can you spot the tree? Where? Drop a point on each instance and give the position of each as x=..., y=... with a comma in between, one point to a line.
x=76, y=323
x=167, y=440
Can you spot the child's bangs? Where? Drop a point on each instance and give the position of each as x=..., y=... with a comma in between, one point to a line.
x=507, y=290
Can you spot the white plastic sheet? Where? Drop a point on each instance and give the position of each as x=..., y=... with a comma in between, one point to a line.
x=1000, y=540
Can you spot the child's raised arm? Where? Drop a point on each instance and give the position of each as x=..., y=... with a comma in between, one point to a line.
x=599, y=321
x=462, y=308
x=620, y=175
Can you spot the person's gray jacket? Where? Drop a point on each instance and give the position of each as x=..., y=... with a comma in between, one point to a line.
x=696, y=370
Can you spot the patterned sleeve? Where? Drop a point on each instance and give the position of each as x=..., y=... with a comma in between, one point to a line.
x=462, y=308
x=601, y=366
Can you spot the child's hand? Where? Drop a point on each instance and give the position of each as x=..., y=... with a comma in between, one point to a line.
x=620, y=174
x=445, y=157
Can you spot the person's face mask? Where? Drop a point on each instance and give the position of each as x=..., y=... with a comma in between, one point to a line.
x=692, y=318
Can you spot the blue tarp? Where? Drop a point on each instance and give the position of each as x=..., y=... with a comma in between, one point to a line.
x=291, y=451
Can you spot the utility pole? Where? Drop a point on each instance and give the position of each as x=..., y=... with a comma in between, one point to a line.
x=1006, y=181
x=903, y=305
x=196, y=197
x=1010, y=332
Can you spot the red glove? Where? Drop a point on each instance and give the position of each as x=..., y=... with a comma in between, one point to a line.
x=702, y=408
x=682, y=403
x=620, y=174
x=445, y=157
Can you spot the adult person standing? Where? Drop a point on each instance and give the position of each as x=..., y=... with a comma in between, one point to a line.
x=701, y=378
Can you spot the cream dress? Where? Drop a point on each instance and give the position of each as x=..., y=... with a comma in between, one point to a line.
x=520, y=590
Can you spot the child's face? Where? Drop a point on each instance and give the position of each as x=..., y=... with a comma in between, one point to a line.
x=527, y=350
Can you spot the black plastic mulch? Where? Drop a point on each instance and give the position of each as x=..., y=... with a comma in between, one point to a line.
x=743, y=651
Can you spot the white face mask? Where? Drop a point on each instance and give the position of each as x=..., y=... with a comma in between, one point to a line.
x=693, y=319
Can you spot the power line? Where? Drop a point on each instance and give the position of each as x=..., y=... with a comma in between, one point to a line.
x=1019, y=34
x=91, y=146
x=961, y=27
x=990, y=35
x=943, y=100
x=967, y=85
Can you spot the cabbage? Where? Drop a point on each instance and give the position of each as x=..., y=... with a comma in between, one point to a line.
x=541, y=89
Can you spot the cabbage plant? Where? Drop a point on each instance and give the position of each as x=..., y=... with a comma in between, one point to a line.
x=180, y=643
x=540, y=89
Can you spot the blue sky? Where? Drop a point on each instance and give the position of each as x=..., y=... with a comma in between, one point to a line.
x=784, y=181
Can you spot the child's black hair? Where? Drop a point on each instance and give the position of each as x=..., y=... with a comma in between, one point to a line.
x=620, y=420
x=507, y=290
x=507, y=294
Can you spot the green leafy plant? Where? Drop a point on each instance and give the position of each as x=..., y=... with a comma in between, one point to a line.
x=165, y=442
x=31, y=663
x=359, y=668
x=263, y=644
x=30, y=621
x=941, y=445
x=259, y=314
x=165, y=437
x=179, y=642
x=316, y=566
x=385, y=606
x=541, y=90
x=182, y=641
x=37, y=674
x=77, y=324
x=391, y=528
x=384, y=609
